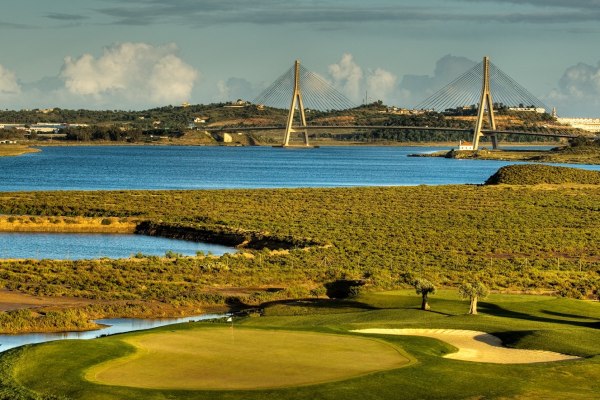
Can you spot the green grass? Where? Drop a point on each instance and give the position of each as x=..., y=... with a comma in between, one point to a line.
x=534, y=322
x=242, y=358
x=530, y=174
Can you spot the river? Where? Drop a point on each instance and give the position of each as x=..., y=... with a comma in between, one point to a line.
x=214, y=167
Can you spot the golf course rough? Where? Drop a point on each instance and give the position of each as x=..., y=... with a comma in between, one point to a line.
x=240, y=358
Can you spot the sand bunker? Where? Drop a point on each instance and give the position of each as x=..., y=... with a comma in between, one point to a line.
x=477, y=346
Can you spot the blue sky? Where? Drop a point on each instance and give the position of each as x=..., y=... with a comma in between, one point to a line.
x=133, y=54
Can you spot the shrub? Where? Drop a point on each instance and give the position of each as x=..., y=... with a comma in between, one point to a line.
x=537, y=174
x=173, y=254
x=343, y=288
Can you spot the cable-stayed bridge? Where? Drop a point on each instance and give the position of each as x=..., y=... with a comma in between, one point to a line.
x=317, y=94
x=466, y=90
x=482, y=87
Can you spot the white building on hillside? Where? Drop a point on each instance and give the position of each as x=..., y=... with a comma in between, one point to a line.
x=538, y=110
x=586, y=124
x=465, y=145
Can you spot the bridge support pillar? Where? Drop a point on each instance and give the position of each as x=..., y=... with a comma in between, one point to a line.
x=494, y=141
x=485, y=102
x=296, y=103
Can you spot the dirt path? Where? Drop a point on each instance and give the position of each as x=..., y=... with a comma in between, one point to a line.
x=10, y=300
x=477, y=346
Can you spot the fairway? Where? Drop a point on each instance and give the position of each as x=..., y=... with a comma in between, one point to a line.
x=241, y=358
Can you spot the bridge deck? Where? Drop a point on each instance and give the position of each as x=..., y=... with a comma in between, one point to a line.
x=390, y=127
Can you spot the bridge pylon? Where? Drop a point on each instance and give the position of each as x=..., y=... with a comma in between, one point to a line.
x=296, y=103
x=485, y=102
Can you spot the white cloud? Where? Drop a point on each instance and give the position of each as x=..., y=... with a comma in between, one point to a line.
x=581, y=80
x=223, y=91
x=416, y=88
x=235, y=88
x=381, y=84
x=8, y=82
x=578, y=92
x=131, y=73
x=171, y=80
x=347, y=76
x=350, y=79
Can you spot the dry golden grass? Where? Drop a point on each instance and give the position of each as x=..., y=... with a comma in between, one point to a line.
x=22, y=223
x=241, y=358
x=15, y=149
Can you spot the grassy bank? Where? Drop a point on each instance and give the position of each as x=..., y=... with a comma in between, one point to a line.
x=531, y=322
x=15, y=150
x=530, y=174
x=562, y=155
x=30, y=223
x=59, y=317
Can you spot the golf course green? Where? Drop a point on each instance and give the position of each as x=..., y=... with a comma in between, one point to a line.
x=306, y=350
x=241, y=358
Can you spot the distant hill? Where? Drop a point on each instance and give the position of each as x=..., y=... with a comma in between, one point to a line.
x=530, y=174
x=175, y=121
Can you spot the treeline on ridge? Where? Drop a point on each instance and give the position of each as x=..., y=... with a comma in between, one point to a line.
x=175, y=121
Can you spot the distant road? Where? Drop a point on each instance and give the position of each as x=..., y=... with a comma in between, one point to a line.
x=391, y=127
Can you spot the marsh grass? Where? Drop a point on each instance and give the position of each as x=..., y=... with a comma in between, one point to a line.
x=73, y=224
x=16, y=150
x=514, y=238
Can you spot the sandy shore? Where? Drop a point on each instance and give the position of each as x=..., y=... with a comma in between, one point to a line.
x=11, y=150
x=11, y=300
x=477, y=346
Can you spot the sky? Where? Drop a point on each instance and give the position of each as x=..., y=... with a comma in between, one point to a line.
x=137, y=54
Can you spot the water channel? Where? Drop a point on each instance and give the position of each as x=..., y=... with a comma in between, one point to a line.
x=111, y=327
x=77, y=246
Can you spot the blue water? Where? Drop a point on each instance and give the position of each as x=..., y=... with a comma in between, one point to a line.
x=76, y=246
x=189, y=167
x=112, y=326
x=170, y=167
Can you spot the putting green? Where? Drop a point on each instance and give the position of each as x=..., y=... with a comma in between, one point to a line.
x=238, y=358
